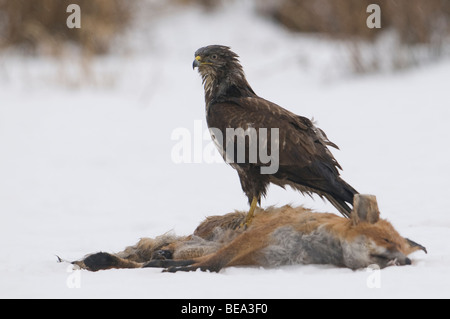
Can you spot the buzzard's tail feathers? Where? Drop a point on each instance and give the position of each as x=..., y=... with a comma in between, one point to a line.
x=340, y=205
x=347, y=194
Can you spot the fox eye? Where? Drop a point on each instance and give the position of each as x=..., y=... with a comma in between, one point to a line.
x=387, y=240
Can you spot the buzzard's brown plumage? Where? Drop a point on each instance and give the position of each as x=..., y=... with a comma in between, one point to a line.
x=305, y=163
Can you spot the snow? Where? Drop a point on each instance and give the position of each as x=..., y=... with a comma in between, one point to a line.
x=85, y=164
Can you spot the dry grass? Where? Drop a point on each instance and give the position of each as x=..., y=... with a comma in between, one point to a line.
x=40, y=26
x=416, y=21
x=417, y=25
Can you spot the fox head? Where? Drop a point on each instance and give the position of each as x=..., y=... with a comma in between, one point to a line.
x=375, y=241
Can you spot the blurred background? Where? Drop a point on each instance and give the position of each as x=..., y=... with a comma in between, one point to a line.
x=39, y=28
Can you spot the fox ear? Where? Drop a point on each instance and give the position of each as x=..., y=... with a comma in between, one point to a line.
x=365, y=209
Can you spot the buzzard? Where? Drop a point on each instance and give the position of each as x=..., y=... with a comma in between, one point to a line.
x=299, y=148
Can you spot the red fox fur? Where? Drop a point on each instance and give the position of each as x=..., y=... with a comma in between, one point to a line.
x=277, y=236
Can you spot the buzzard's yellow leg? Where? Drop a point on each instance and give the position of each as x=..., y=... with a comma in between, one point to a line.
x=251, y=212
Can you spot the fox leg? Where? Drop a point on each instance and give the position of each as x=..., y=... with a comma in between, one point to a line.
x=242, y=251
x=208, y=265
x=167, y=263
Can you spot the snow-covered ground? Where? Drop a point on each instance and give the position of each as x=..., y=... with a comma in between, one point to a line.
x=88, y=166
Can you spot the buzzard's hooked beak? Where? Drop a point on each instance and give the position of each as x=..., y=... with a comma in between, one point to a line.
x=196, y=62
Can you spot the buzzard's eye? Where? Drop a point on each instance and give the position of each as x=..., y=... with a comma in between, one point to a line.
x=214, y=56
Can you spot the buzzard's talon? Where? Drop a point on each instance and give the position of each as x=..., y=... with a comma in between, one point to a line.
x=249, y=218
x=243, y=226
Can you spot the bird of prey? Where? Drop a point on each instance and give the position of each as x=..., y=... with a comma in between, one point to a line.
x=299, y=148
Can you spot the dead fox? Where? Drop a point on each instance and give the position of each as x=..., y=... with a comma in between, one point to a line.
x=277, y=236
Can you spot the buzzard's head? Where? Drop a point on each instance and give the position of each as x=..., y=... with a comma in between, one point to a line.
x=215, y=56
x=216, y=60
x=221, y=72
